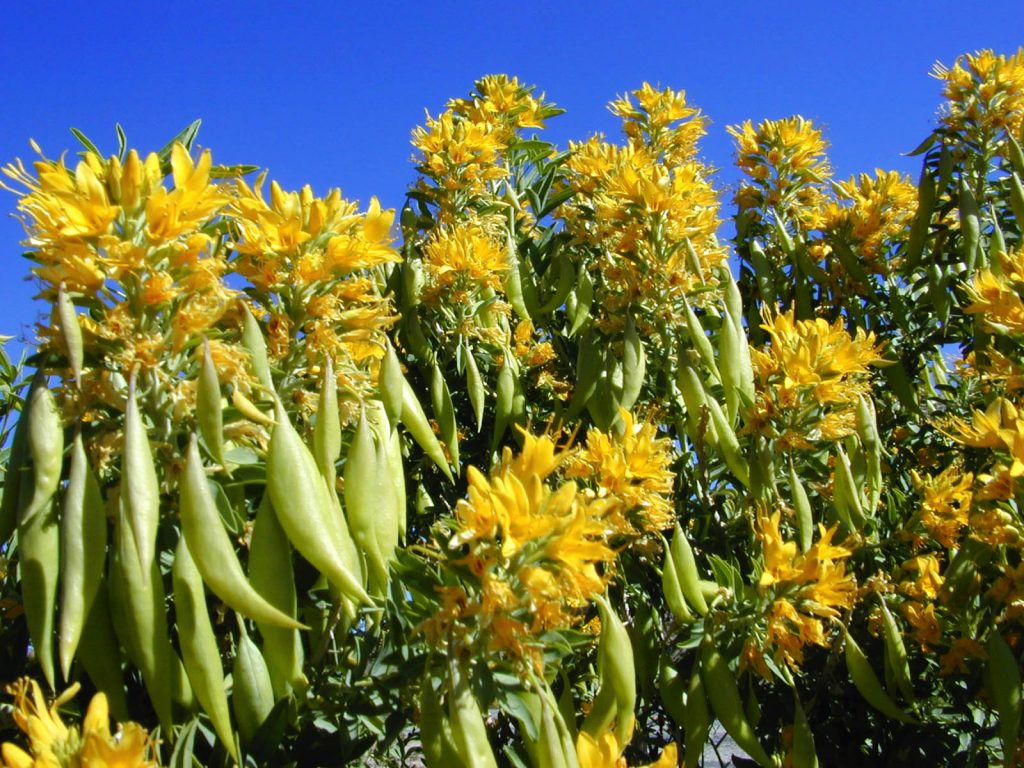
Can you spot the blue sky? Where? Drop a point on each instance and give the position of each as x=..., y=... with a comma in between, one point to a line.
x=327, y=93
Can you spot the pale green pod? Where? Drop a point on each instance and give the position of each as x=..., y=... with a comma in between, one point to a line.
x=724, y=695
x=99, y=652
x=140, y=490
x=728, y=443
x=867, y=682
x=252, y=695
x=83, y=551
x=212, y=550
x=272, y=574
x=804, y=754
x=700, y=341
x=305, y=509
x=475, y=387
x=199, y=651
x=416, y=422
x=444, y=411
x=70, y=333
x=469, y=732
x=327, y=428
x=209, y=410
x=39, y=565
x=391, y=384
x=252, y=340
x=375, y=532
x=1003, y=680
x=802, y=506
x=634, y=365
x=45, y=449
x=686, y=570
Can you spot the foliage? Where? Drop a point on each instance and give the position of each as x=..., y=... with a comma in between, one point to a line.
x=542, y=482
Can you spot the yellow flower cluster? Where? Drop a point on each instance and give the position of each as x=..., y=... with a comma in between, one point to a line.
x=809, y=379
x=53, y=744
x=461, y=151
x=786, y=163
x=632, y=466
x=946, y=501
x=996, y=294
x=648, y=208
x=984, y=94
x=806, y=590
x=461, y=261
x=604, y=753
x=870, y=211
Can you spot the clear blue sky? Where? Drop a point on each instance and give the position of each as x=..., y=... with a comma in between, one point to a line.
x=327, y=93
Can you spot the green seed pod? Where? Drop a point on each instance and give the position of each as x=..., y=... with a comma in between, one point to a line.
x=199, y=650
x=1017, y=196
x=271, y=573
x=209, y=412
x=1003, y=681
x=252, y=340
x=696, y=401
x=566, y=281
x=475, y=387
x=45, y=449
x=672, y=591
x=867, y=682
x=616, y=698
x=70, y=333
x=137, y=606
x=439, y=749
x=513, y=283
x=724, y=695
x=83, y=551
x=735, y=367
x=506, y=390
x=252, y=696
x=18, y=473
x=970, y=227
x=327, y=429
x=686, y=570
x=391, y=384
x=672, y=687
x=802, y=505
x=634, y=365
x=416, y=422
x=214, y=555
x=696, y=720
x=444, y=411
x=372, y=522
x=728, y=443
x=848, y=502
x=39, y=566
x=140, y=490
x=804, y=754
x=305, y=509
x=99, y=653
x=584, y=299
x=588, y=370
x=469, y=732
x=896, y=653
x=700, y=341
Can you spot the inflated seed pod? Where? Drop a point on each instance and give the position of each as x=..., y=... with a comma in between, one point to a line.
x=671, y=589
x=19, y=472
x=584, y=300
x=513, y=281
x=469, y=732
x=970, y=226
x=209, y=411
x=867, y=682
x=724, y=696
x=327, y=428
x=252, y=695
x=372, y=522
x=700, y=341
x=802, y=506
x=83, y=551
x=896, y=653
x=444, y=411
x=505, y=392
x=45, y=449
x=137, y=606
x=1003, y=680
x=271, y=573
x=672, y=687
x=804, y=754
x=306, y=511
x=634, y=365
x=686, y=571
x=391, y=383
x=416, y=422
x=212, y=550
x=39, y=566
x=252, y=340
x=439, y=749
x=100, y=653
x=728, y=443
x=475, y=387
x=588, y=371
x=696, y=719
x=616, y=698
x=199, y=651
x=140, y=490
x=70, y=333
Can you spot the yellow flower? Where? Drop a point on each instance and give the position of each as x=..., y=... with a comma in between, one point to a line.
x=604, y=752
x=871, y=211
x=945, y=504
x=928, y=581
x=984, y=92
x=193, y=201
x=460, y=261
x=996, y=296
x=633, y=467
x=52, y=744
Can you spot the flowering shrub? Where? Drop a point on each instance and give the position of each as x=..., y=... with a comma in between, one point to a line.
x=550, y=476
